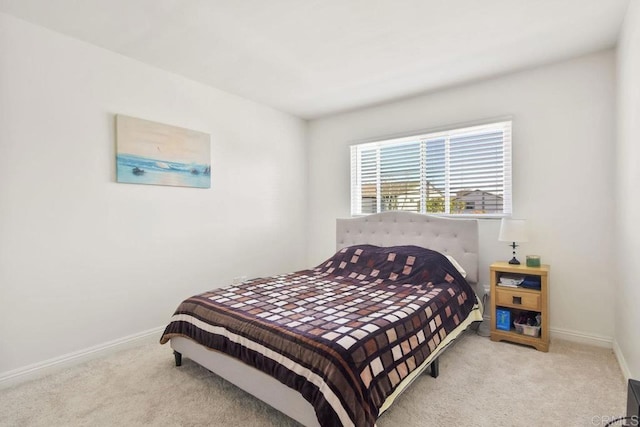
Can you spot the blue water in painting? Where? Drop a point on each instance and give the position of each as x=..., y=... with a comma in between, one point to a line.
x=142, y=170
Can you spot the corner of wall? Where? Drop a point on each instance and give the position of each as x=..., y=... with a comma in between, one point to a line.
x=621, y=361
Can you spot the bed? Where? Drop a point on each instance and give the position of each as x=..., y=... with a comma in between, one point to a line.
x=338, y=343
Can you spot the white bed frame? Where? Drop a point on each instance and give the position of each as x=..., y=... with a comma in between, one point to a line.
x=455, y=237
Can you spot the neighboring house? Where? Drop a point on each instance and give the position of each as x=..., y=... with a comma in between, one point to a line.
x=479, y=201
x=405, y=195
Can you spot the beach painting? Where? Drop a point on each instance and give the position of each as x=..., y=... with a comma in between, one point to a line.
x=158, y=154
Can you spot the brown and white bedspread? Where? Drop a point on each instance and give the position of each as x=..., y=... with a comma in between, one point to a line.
x=344, y=334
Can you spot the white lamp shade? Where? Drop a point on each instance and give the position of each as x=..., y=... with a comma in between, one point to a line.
x=513, y=230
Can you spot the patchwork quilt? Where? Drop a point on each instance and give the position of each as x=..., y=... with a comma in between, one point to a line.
x=344, y=334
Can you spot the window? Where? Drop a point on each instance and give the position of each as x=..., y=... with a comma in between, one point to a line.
x=465, y=171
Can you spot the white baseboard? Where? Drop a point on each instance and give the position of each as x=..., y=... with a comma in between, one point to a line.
x=574, y=336
x=581, y=337
x=621, y=361
x=41, y=369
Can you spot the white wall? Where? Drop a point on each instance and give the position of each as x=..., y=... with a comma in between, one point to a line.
x=627, y=320
x=563, y=138
x=84, y=260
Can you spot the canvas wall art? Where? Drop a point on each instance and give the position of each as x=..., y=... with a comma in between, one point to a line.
x=154, y=153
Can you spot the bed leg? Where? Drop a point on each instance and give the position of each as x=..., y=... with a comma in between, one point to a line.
x=178, y=357
x=435, y=368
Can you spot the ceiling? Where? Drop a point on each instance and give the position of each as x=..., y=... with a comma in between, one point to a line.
x=313, y=58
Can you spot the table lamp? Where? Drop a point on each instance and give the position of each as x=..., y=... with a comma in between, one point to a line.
x=513, y=230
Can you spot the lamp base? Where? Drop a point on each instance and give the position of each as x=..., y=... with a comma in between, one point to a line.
x=514, y=260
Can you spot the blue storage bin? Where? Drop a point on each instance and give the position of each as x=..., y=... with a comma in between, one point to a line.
x=503, y=319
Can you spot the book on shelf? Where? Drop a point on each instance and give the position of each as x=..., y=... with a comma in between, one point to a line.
x=510, y=281
x=508, y=285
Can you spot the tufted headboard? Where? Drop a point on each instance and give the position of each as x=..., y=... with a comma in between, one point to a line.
x=455, y=237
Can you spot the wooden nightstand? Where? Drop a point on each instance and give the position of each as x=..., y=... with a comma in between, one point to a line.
x=517, y=300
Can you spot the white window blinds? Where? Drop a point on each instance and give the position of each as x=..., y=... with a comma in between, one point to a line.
x=465, y=171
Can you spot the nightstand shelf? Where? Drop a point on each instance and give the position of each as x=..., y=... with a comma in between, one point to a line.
x=518, y=300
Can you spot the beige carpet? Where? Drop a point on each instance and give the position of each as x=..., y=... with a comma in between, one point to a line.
x=481, y=383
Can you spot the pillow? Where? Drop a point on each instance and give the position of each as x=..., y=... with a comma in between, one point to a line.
x=458, y=267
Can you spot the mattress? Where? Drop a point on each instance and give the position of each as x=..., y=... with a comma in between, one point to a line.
x=348, y=335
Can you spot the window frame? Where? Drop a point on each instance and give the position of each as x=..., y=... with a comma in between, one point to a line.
x=505, y=124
